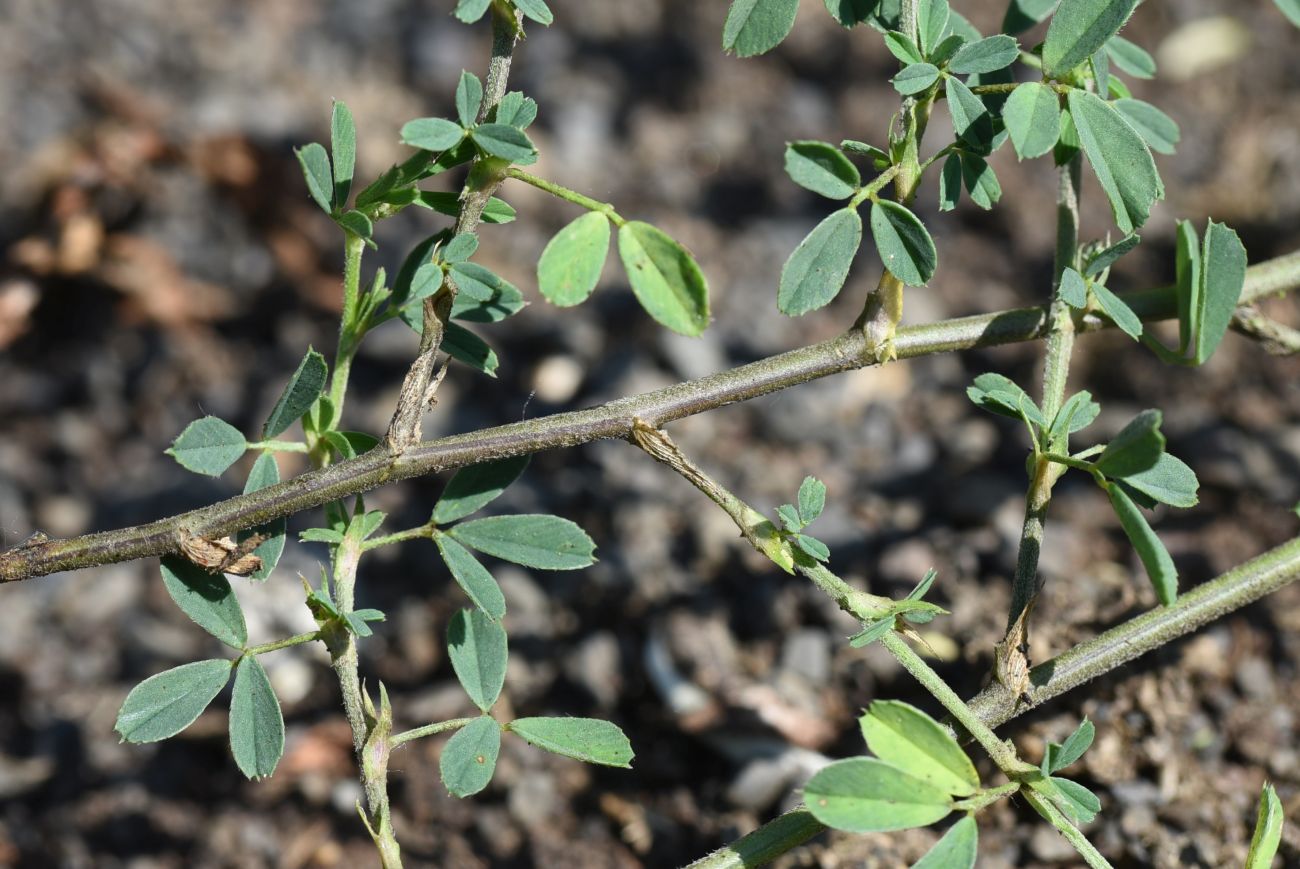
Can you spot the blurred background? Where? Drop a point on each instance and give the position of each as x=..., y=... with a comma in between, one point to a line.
x=161, y=260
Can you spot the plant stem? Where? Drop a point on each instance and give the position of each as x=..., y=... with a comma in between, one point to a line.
x=1072, y=833
x=613, y=420
x=423, y=532
x=986, y=797
x=427, y=730
x=349, y=340
x=566, y=194
x=765, y=844
x=278, y=446
x=276, y=646
x=870, y=190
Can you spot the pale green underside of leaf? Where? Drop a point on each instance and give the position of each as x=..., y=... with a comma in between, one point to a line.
x=571, y=263
x=904, y=245
x=907, y=738
x=587, y=739
x=956, y=850
x=864, y=795
x=665, y=278
x=208, y=446
x=545, y=542
x=1155, y=558
x=1269, y=818
x=816, y=270
x=1032, y=115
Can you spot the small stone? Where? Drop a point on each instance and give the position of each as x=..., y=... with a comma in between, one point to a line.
x=557, y=378
x=596, y=666
x=807, y=652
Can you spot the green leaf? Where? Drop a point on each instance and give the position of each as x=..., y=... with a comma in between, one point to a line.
x=476, y=644
x=1223, y=274
x=981, y=181
x=428, y=279
x=1118, y=311
x=1103, y=260
x=1188, y=283
x=470, y=757
x=1032, y=115
x=265, y=472
x=947, y=49
x=959, y=25
x=444, y=202
x=1076, y=414
x=1156, y=128
x=872, y=632
x=1155, y=558
x=473, y=488
x=516, y=110
x=321, y=535
x=316, y=170
x=1119, y=158
x=864, y=795
x=1168, y=481
x=931, y=24
x=208, y=446
x=1001, y=395
x=904, y=245
x=851, y=12
x=469, y=98
x=1074, y=290
x=587, y=739
x=572, y=261
x=165, y=704
x=350, y=444
x=206, y=598
x=1130, y=57
x=415, y=260
x=903, y=47
x=299, y=394
x=473, y=578
x=343, y=147
x=1073, y=748
x=812, y=547
x=1100, y=65
x=356, y=223
x=790, y=517
x=923, y=587
x=1135, y=448
x=505, y=302
x=907, y=738
x=757, y=26
x=479, y=283
x=1024, y=14
x=812, y=499
x=256, y=724
x=459, y=248
x=970, y=117
x=546, y=542
x=470, y=11
x=956, y=850
x=665, y=278
x=464, y=346
x=1075, y=800
x=508, y=143
x=878, y=157
x=1269, y=819
x=1079, y=28
x=950, y=183
x=815, y=272
x=987, y=55
x=431, y=134
x=821, y=168
x=915, y=78
x=537, y=10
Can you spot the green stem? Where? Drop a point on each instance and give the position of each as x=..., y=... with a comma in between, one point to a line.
x=874, y=187
x=427, y=730
x=279, y=446
x=1072, y=833
x=566, y=194
x=764, y=844
x=424, y=532
x=986, y=797
x=276, y=646
x=349, y=339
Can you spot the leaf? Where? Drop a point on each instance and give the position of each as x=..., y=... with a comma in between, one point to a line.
x=757, y=26
x=1001, y=395
x=473, y=578
x=1032, y=115
x=516, y=110
x=545, y=542
x=923, y=587
x=1119, y=158
x=1074, y=747
x=947, y=49
x=1130, y=57
x=1103, y=260
x=815, y=272
x=851, y=12
x=470, y=757
x=821, y=168
x=256, y=723
x=931, y=23
x=431, y=134
x=1024, y=14
x=1076, y=414
x=812, y=499
x=304, y=387
x=956, y=850
x=903, y=47
x=473, y=488
x=904, y=245
x=587, y=739
x=1269, y=819
x=508, y=143
x=1223, y=274
x=872, y=632
x=321, y=535
x=572, y=261
x=165, y=704
x=479, y=283
x=459, y=248
x=343, y=147
x=1156, y=128
x=665, y=278
x=1135, y=448
x=950, y=183
x=864, y=795
x=915, y=78
x=907, y=738
x=350, y=444
x=812, y=547
x=537, y=10
x=970, y=117
x=265, y=472
x=464, y=346
x=356, y=223
x=417, y=259
x=1076, y=800
x=1099, y=63
x=316, y=171
x=1118, y=311
x=1074, y=290
x=987, y=55
x=496, y=211
x=878, y=157
x=469, y=98
x=470, y=11
x=206, y=598
x=208, y=446
x=1155, y=558
x=981, y=181
x=1188, y=282
x=1079, y=28
x=1168, y=481
x=476, y=644
x=505, y=302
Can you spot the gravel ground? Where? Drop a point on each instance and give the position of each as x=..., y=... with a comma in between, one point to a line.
x=160, y=261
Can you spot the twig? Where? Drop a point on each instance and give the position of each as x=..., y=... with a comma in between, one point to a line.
x=1277, y=339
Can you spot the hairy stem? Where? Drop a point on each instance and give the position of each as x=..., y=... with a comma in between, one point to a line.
x=427, y=730
x=561, y=192
x=612, y=420
x=1072, y=834
x=349, y=340
x=287, y=642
